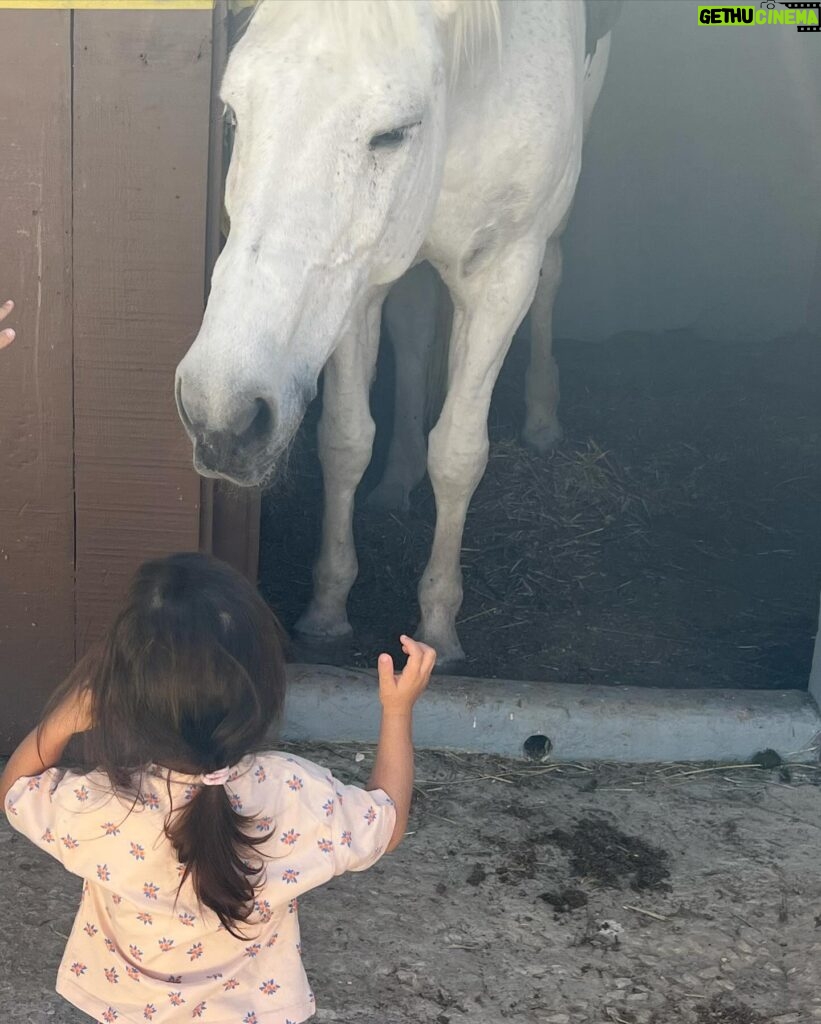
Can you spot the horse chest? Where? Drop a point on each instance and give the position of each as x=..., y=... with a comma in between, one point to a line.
x=514, y=147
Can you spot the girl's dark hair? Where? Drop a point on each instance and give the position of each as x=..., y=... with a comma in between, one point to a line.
x=191, y=677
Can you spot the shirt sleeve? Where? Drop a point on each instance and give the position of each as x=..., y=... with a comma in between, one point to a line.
x=35, y=807
x=362, y=824
x=321, y=826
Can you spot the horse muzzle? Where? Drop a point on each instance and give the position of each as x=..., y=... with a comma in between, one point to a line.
x=240, y=448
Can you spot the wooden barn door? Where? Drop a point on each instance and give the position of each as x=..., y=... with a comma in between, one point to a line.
x=110, y=192
x=36, y=477
x=142, y=88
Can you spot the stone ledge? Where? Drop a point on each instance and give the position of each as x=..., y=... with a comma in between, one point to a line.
x=582, y=723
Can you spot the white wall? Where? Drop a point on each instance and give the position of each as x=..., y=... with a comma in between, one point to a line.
x=699, y=203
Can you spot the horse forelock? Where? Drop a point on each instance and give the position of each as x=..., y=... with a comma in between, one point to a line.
x=471, y=28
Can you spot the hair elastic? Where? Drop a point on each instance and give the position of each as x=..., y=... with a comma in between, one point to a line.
x=217, y=778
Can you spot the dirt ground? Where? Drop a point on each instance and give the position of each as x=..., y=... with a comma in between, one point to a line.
x=532, y=894
x=671, y=539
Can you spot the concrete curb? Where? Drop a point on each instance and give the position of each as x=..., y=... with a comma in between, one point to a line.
x=582, y=723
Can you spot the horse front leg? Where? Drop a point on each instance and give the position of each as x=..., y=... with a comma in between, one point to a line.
x=345, y=434
x=409, y=319
x=486, y=317
x=542, y=429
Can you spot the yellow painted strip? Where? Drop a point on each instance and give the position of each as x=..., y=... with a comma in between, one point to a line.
x=107, y=5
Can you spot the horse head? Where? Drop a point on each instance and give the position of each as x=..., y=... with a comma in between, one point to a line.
x=340, y=112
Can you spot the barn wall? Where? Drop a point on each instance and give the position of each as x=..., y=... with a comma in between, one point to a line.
x=698, y=201
x=103, y=225
x=141, y=114
x=36, y=494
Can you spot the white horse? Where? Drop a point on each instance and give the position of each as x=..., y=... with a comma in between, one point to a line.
x=372, y=136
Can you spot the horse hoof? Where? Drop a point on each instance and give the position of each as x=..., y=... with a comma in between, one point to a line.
x=447, y=665
x=449, y=653
x=544, y=438
x=322, y=629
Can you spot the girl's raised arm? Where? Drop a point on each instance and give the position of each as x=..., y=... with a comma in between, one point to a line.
x=393, y=769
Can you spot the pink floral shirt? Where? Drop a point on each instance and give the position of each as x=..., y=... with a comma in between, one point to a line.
x=141, y=952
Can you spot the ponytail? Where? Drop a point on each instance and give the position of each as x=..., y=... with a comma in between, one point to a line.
x=211, y=840
x=190, y=677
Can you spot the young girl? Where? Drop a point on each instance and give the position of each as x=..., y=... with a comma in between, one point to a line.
x=193, y=841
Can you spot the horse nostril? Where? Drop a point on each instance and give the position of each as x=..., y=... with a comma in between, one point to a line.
x=221, y=440
x=261, y=424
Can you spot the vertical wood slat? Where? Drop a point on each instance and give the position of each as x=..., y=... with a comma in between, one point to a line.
x=230, y=523
x=36, y=494
x=141, y=114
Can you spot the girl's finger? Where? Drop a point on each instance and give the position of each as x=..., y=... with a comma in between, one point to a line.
x=7, y=336
x=413, y=649
x=385, y=669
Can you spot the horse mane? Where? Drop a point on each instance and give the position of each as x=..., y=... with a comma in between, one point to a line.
x=471, y=26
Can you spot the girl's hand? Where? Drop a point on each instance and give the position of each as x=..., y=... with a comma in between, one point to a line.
x=398, y=693
x=7, y=336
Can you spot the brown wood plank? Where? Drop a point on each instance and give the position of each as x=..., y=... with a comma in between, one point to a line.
x=235, y=527
x=141, y=111
x=230, y=515
x=36, y=491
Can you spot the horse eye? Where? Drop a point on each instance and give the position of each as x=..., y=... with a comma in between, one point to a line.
x=229, y=116
x=393, y=138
